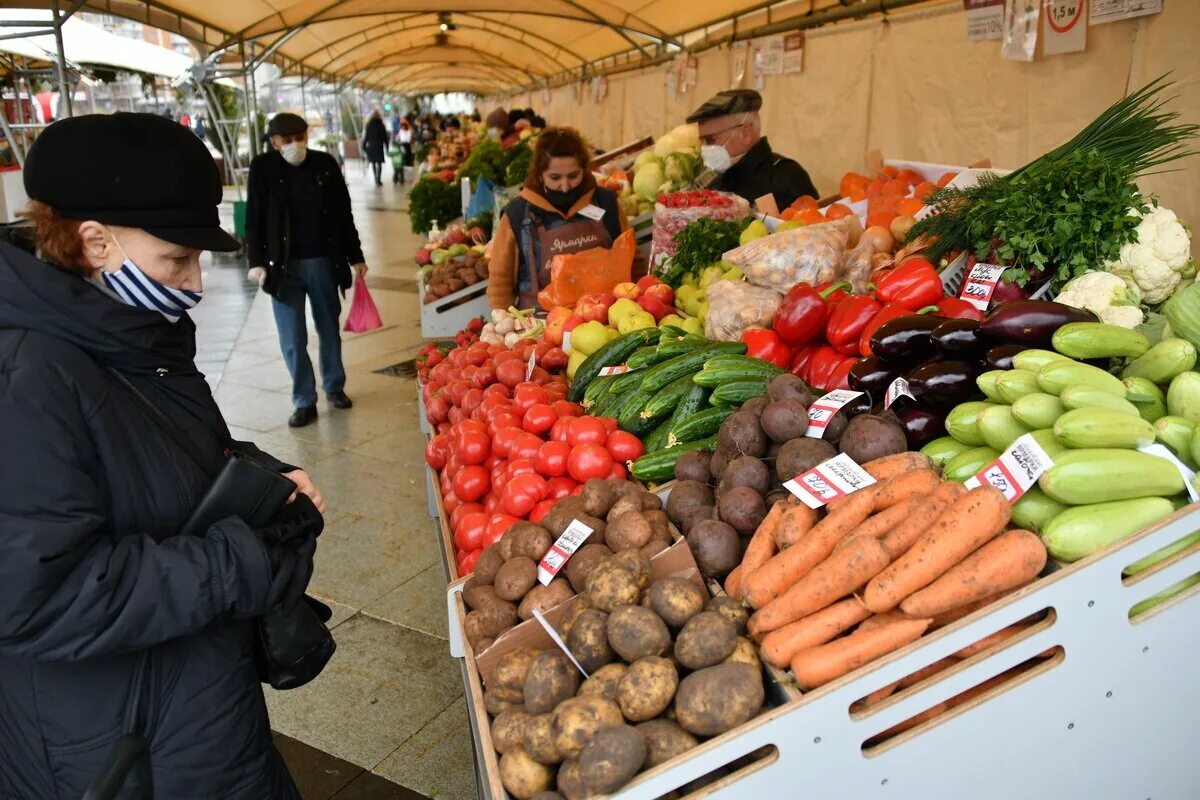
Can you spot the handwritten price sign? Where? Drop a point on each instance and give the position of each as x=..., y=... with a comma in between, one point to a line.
x=829, y=480
x=981, y=284
x=821, y=412
x=1017, y=469
x=562, y=550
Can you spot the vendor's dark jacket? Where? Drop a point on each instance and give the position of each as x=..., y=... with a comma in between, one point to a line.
x=268, y=227
x=763, y=171
x=110, y=622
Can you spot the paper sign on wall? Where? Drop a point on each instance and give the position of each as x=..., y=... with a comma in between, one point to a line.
x=771, y=48
x=1017, y=469
x=741, y=54
x=829, y=480
x=1020, y=29
x=1063, y=27
x=793, y=52
x=985, y=19
x=1102, y=11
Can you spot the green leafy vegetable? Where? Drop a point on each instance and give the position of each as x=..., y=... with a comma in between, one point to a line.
x=520, y=156
x=700, y=244
x=487, y=159
x=433, y=199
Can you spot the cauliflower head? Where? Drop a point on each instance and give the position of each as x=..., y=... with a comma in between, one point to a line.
x=1105, y=294
x=1159, y=257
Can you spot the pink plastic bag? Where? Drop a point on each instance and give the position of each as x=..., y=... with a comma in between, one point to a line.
x=364, y=316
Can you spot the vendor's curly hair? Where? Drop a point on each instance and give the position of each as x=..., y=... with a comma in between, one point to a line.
x=57, y=238
x=558, y=143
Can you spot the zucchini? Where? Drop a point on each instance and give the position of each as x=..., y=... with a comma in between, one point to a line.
x=611, y=354
x=1163, y=362
x=659, y=465
x=734, y=393
x=667, y=398
x=689, y=363
x=999, y=428
x=643, y=357
x=1183, y=396
x=1147, y=399
x=1177, y=434
x=968, y=463
x=1035, y=510
x=1078, y=532
x=1103, y=427
x=963, y=422
x=1084, y=340
x=1077, y=397
x=699, y=425
x=1079, y=477
x=1038, y=410
x=943, y=449
x=1059, y=375
x=1013, y=384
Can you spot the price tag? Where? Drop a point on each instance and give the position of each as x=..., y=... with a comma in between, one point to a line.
x=980, y=284
x=570, y=541
x=822, y=411
x=1189, y=477
x=566, y=342
x=619, y=369
x=897, y=389
x=1017, y=469
x=553, y=634
x=532, y=363
x=829, y=480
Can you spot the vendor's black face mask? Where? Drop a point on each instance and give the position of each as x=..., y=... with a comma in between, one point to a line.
x=564, y=200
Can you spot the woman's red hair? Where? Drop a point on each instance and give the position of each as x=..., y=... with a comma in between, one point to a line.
x=57, y=238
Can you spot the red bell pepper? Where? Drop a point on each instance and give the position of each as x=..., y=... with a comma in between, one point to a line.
x=847, y=321
x=840, y=377
x=821, y=367
x=890, y=311
x=957, y=308
x=834, y=297
x=802, y=315
x=800, y=358
x=766, y=345
x=913, y=284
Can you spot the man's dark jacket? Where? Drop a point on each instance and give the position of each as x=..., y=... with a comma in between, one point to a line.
x=762, y=171
x=268, y=226
x=110, y=623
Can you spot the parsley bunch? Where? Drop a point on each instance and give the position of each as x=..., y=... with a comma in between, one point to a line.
x=700, y=244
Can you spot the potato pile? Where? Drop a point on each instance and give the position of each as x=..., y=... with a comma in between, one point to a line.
x=455, y=273
x=668, y=667
x=504, y=588
x=758, y=448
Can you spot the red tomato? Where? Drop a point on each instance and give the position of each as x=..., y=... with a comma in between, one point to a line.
x=609, y=423
x=437, y=408
x=502, y=442
x=477, y=355
x=467, y=565
x=455, y=415
x=498, y=525
x=587, y=429
x=522, y=493
x=504, y=419
x=471, y=483
x=470, y=532
x=589, y=460
x=435, y=452
x=551, y=459
x=539, y=418
x=443, y=427
x=492, y=503
x=460, y=512
x=521, y=466
x=510, y=372
x=494, y=459
x=492, y=403
x=468, y=426
x=525, y=445
x=558, y=488
x=497, y=390
x=506, y=355
x=484, y=377
x=455, y=391
x=618, y=472
x=624, y=446
x=450, y=501
x=499, y=474
x=474, y=447
x=539, y=376
x=561, y=430
x=541, y=510
x=525, y=398
x=565, y=409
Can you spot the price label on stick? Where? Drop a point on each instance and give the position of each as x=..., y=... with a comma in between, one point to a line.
x=556, y=557
x=619, y=369
x=532, y=363
x=897, y=389
x=829, y=480
x=821, y=412
x=980, y=284
x=1017, y=469
x=554, y=637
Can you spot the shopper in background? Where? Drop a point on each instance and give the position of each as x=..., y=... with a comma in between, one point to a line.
x=301, y=242
x=497, y=124
x=433, y=158
x=111, y=623
x=733, y=146
x=404, y=142
x=559, y=210
x=375, y=142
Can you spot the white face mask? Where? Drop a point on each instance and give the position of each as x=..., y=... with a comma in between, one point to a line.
x=294, y=153
x=716, y=157
x=494, y=133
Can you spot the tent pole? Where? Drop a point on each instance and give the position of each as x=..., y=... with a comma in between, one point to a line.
x=303, y=94
x=64, y=85
x=18, y=151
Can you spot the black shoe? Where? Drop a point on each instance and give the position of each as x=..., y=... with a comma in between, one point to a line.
x=302, y=416
x=339, y=400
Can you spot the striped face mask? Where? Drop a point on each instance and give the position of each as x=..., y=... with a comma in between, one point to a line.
x=138, y=289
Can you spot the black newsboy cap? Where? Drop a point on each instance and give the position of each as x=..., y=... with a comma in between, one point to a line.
x=285, y=124
x=732, y=101
x=132, y=170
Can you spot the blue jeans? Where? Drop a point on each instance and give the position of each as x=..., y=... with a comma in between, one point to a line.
x=316, y=278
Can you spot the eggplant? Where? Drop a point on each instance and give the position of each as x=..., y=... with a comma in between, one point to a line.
x=922, y=425
x=905, y=340
x=944, y=383
x=873, y=376
x=1030, y=322
x=1001, y=356
x=959, y=339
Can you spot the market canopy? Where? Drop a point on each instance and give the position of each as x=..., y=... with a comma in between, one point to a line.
x=483, y=46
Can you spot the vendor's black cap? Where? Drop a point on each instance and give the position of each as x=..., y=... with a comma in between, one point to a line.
x=733, y=101
x=132, y=170
x=285, y=124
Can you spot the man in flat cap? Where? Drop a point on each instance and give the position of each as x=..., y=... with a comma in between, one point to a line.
x=301, y=242
x=733, y=146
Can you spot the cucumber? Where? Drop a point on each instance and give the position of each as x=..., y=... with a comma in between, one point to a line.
x=1177, y=434
x=596, y=390
x=1078, y=532
x=1058, y=375
x=942, y=450
x=1035, y=359
x=963, y=422
x=986, y=381
x=631, y=418
x=628, y=381
x=969, y=464
x=1076, y=397
x=1035, y=509
x=1183, y=396
x=644, y=357
x=689, y=363
x=728, y=360
x=999, y=428
x=1015, y=384
x=699, y=425
x=1084, y=340
x=1102, y=427
x=666, y=399
x=713, y=377
x=1147, y=398
x=735, y=393
x=677, y=346
x=659, y=465
x=1079, y=477
x=1163, y=362
x=670, y=331
x=658, y=437
x=1038, y=410
x=611, y=354
x=1155, y=600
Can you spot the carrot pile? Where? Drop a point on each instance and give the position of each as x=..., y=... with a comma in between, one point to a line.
x=878, y=569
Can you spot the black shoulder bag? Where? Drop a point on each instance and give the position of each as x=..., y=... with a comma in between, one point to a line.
x=291, y=648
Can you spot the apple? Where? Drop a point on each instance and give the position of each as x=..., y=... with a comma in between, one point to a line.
x=456, y=236
x=661, y=292
x=555, y=322
x=657, y=308
x=573, y=322
x=595, y=306
x=424, y=257
x=626, y=290
x=646, y=281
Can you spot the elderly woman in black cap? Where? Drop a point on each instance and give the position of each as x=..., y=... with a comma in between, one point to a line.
x=112, y=622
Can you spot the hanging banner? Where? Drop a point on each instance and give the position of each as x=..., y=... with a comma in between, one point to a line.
x=985, y=19
x=771, y=48
x=1020, y=29
x=1063, y=27
x=672, y=85
x=1114, y=10
x=793, y=53
x=741, y=54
